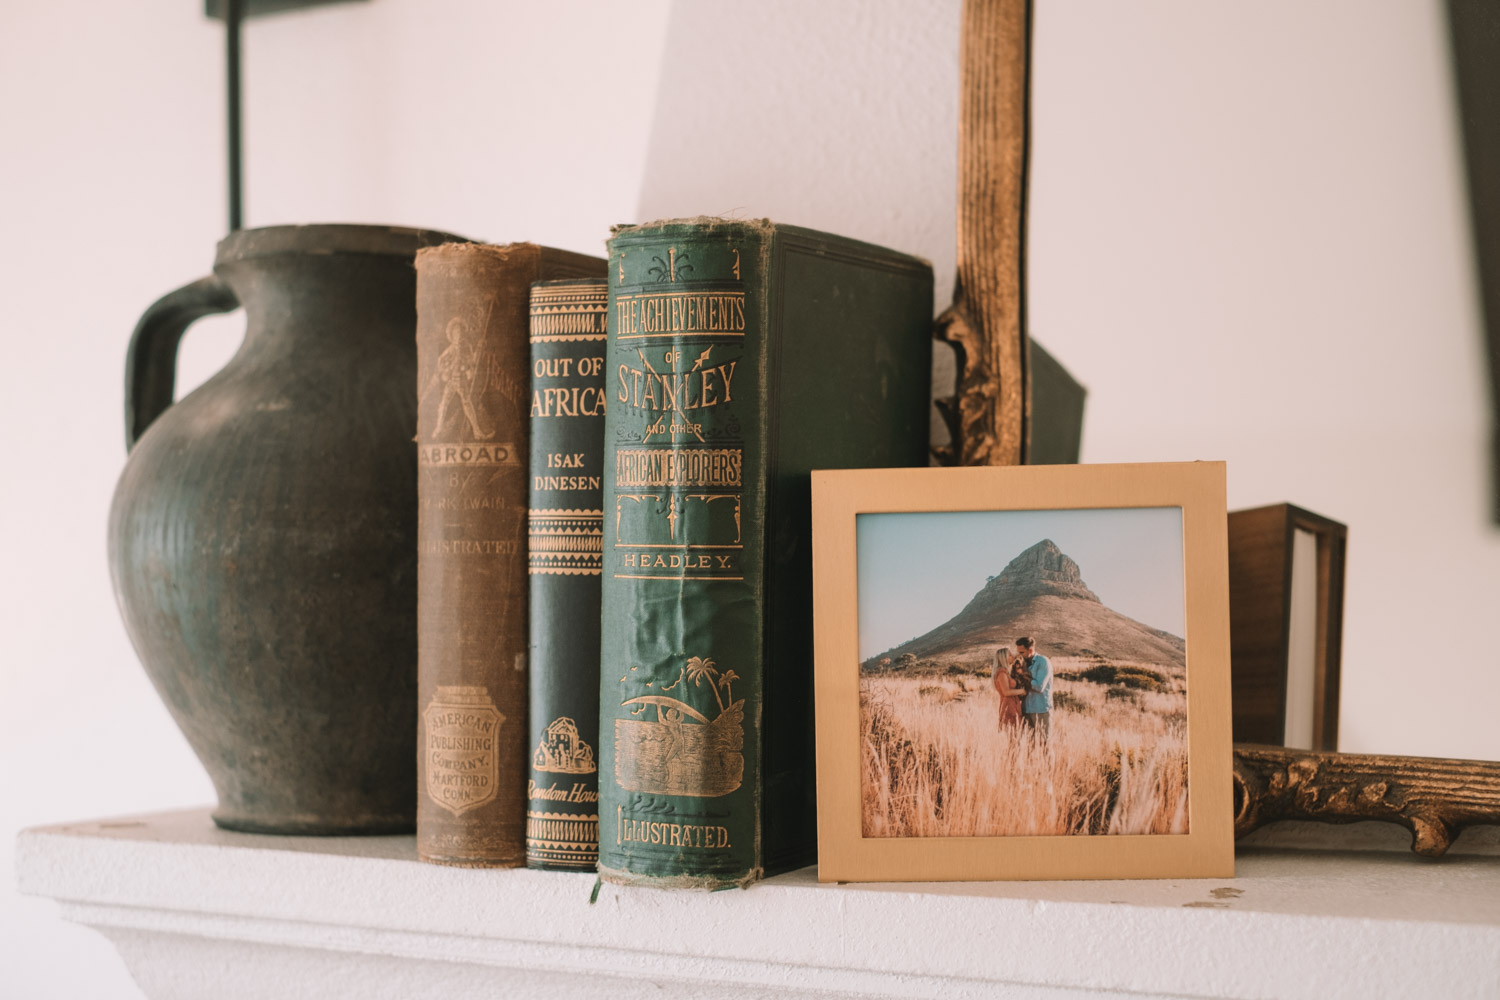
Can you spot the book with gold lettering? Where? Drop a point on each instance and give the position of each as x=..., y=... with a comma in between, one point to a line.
x=474, y=397
x=565, y=556
x=741, y=355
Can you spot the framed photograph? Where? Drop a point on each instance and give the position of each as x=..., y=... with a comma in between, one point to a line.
x=1022, y=673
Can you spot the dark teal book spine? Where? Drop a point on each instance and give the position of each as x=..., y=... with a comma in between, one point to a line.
x=565, y=548
x=740, y=356
x=680, y=699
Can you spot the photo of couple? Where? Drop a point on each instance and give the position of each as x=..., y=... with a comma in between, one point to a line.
x=1023, y=680
x=1002, y=694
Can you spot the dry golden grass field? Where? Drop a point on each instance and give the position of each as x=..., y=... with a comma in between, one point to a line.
x=936, y=765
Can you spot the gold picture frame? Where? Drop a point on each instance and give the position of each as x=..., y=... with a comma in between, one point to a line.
x=1204, y=850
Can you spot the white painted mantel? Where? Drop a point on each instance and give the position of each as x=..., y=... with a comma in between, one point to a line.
x=199, y=912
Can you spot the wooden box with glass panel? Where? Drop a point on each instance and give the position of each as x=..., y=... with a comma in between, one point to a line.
x=1286, y=613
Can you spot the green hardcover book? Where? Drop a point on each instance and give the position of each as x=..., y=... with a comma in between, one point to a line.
x=566, y=523
x=741, y=355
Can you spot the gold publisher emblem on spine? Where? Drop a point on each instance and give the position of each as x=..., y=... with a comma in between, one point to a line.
x=459, y=730
x=681, y=751
x=563, y=749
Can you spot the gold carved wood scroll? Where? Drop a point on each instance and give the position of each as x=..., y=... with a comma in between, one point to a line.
x=1433, y=798
x=987, y=419
x=989, y=423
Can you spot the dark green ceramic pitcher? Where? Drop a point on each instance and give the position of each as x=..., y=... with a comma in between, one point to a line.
x=263, y=534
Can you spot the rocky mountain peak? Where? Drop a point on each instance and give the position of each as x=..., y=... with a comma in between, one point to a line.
x=1040, y=593
x=1042, y=570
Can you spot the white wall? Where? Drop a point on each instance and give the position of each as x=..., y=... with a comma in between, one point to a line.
x=490, y=120
x=1247, y=238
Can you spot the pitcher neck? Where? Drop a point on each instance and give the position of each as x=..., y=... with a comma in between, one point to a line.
x=318, y=285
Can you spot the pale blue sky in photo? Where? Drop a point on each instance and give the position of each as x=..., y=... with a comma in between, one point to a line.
x=917, y=570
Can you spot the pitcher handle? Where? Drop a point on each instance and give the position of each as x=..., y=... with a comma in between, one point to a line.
x=151, y=362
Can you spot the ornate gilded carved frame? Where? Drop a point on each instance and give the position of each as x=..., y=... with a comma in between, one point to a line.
x=989, y=420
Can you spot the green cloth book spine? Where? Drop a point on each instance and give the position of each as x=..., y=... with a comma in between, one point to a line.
x=565, y=521
x=741, y=355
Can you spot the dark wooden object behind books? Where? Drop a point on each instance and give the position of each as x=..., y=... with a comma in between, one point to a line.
x=1260, y=613
x=1432, y=797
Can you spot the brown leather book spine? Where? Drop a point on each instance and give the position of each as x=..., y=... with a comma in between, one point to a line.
x=474, y=397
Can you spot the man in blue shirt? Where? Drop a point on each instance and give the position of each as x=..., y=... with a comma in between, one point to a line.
x=1036, y=707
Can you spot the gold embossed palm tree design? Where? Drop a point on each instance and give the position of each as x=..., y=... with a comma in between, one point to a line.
x=682, y=751
x=699, y=669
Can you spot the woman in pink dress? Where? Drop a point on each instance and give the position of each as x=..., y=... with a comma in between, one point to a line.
x=1009, y=690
